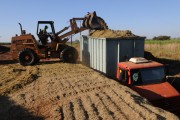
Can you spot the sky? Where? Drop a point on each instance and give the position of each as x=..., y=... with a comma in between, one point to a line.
x=147, y=18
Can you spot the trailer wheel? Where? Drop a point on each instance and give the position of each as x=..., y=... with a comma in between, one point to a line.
x=69, y=55
x=27, y=57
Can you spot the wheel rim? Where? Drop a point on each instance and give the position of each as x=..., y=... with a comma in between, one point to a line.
x=27, y=58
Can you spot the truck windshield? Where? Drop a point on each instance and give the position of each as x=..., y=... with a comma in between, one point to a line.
x=147, y=76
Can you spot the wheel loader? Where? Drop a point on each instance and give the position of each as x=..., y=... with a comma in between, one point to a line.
x=51, y=44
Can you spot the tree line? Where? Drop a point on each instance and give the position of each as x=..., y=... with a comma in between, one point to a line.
x=162, y=38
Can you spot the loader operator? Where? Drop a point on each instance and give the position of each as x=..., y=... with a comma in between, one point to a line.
x=45, y=30
x=44, y=35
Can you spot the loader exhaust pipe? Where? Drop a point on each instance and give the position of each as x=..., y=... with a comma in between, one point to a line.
x=23, y=32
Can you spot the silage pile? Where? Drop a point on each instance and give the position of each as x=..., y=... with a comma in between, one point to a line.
x=112, y=34
x=69, y=91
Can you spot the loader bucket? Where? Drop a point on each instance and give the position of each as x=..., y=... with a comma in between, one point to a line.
x=93, y=22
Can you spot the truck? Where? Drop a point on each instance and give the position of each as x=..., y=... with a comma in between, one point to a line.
x=148, y=78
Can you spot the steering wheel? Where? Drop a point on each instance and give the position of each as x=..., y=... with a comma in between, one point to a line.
x=50, y=34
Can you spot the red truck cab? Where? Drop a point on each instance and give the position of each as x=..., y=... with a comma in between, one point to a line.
x=149, y=80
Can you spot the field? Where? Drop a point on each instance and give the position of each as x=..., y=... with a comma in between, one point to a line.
x=55, y=90
x=168, y=49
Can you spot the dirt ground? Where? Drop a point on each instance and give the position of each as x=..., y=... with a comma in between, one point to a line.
x=55, y=90
x=112, y=33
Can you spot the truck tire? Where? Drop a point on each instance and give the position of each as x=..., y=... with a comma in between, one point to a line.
x=69, y=55
x=27, y=57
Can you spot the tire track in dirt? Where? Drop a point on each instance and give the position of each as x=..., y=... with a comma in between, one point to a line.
x=139, y=108
x=80, y=112
x=90, y=107
x=103, y=111
x=68, y=111
x=127, y=110
x=110, y=107
x=148, y=107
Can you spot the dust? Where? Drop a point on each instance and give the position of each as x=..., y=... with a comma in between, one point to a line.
x=112, y=33
x=70, y=91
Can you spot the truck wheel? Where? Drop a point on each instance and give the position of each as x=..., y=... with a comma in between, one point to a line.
x=69, y=55
x=27, y=57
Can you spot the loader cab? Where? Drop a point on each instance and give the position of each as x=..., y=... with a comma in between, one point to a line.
x=44, y=37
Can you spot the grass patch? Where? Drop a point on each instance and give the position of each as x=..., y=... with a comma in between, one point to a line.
x=168, y=49
x=162, y=41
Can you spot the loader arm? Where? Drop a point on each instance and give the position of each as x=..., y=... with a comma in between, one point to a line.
x=72, y=32
x=90, y=22
x=74, y=28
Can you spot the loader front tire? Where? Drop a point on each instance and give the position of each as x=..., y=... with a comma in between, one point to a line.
x=27, y=57
x=69, y=55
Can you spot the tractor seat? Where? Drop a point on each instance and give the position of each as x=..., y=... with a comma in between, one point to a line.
x=43, y=38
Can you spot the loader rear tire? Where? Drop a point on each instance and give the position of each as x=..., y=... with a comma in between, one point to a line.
x=27, y=57
x=69, y=55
